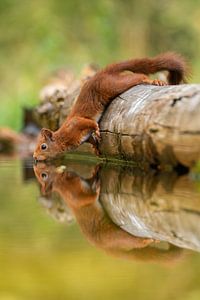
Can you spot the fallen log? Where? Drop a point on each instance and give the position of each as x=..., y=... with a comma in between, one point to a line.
x=13, y=143
x=154, y=124
x=148, y=124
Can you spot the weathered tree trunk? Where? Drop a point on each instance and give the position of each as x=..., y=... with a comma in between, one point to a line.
x=148, y=124
x=154, y=124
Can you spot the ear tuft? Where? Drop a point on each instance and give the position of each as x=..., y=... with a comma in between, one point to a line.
x=47, y=133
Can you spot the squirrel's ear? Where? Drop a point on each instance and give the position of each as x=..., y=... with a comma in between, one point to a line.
x=46, y=133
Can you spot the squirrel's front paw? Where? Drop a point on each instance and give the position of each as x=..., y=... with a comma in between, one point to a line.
x=96, y=135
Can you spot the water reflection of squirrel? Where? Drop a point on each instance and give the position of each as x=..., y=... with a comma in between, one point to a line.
x=81, y=124
x=81, y=196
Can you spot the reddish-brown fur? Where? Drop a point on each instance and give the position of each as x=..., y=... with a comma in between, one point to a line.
x=81, y=196
x=82, y=123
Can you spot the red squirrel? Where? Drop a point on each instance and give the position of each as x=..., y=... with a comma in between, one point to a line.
x=82, y=195
x=81, y=125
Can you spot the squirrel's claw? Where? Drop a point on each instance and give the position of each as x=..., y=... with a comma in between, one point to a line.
x=96, y=135
x=97, y=138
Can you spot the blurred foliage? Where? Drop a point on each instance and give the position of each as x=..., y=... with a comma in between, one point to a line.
x=37, y=37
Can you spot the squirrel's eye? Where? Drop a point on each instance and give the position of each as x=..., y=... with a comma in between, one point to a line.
x=44, y=146
x=44, y=176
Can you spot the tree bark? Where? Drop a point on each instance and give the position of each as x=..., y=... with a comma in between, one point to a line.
x=148, y=124
x=154, y=124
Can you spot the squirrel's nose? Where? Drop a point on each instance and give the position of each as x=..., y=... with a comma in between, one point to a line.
x=35, y=159
x=38, y=158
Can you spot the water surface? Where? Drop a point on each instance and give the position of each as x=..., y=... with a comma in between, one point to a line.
x=71, y=235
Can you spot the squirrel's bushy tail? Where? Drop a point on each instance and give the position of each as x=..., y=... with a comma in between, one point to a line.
x=172, y=62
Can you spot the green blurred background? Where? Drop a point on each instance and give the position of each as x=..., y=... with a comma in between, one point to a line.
x=40, y=36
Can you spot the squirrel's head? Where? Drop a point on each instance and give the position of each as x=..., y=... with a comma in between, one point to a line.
x=47, y=146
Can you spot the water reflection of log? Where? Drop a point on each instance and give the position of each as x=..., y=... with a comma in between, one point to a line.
x=123, y=211
x=159, y=206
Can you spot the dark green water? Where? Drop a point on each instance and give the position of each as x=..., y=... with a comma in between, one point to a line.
x=43, y=258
